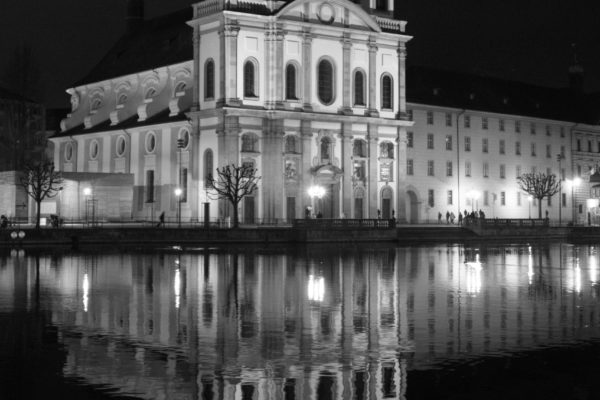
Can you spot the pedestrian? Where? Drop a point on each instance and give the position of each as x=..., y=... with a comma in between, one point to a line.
x=307, y=212
x=3, y=221
x=460, y=218
x=439, y=217
x=452, y=216
x=378, y=214
x=547, y=214
x=481, y=214
x=447, y=217
x=161, y=220
x=394, y=215
x=319, y=215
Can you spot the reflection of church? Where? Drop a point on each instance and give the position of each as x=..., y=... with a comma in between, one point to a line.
x=309, y=93
x=314, y=325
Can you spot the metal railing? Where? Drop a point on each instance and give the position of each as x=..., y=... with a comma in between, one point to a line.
x=344, y=223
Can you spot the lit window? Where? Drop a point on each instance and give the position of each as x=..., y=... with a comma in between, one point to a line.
x=448, y=142
x=409, y=139
x=290, y=82
x=486, y=170
x=467, y=168
x=484, y=123
x=209, y=79
x=429, y=117
x=250, y=80
x=467, y=143
x=325, y=82
x=502, y=147
x=449, y=198
x=518, y=148
x=484, y=145
x=430, y=198
x=409, y=167
x=430, y=140
x=467, y=121
x=430, y=171
x=448, y=168
x=386, y=92
x=502, y=171
x=359, y=88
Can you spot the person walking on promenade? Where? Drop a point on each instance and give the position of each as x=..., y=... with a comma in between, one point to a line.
x=460, y=218
x=439, y=217
x=161, y=220
x=452, y=216
x=447, y=217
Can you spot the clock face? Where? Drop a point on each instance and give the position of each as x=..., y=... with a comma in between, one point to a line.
x=326, y=13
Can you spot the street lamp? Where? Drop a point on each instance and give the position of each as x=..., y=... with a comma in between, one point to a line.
x=178, y=193
x=529, y=199
x=316, y=191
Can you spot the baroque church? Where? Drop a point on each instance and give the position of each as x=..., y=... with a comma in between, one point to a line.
x=310, y=93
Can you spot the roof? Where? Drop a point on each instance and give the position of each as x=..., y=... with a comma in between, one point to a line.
x=481, y=93
x=159, y=42
x=131, y=122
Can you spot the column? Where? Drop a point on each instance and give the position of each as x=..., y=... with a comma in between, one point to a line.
x=372, y=110
x=279, y=67
x=305, y=174
x=347, y=168
x=307, y=68
x=272, y=169
x=402, y=82
x=228, y=81
x=401, y=175
x=347, y=78
x=269, y=67
x=372, y=186
x=228, y=153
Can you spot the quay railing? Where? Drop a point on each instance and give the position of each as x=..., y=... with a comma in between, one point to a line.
x=326, y=223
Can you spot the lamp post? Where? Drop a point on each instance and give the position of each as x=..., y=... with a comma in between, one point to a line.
x=316, y=191
x=87, y=192
x=560, y=157
x=178, y=193
x=530, y=199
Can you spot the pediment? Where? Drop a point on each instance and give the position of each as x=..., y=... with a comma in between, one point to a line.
x=330, y=12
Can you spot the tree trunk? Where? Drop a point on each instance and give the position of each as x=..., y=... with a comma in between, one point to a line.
x=236, y=223
x=38, y=212
x=540, y=207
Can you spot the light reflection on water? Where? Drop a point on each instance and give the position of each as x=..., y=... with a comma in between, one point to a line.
x=319, y=323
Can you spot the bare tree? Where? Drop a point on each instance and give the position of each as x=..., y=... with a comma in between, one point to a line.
x=539, y=186
x=233, y=183
x=40, y=182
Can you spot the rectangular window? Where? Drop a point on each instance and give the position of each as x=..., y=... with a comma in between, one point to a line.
x=468, y=168
x=467, y=121
x=562, y=131
x=448, y=168
x=409, y=139
x=429, y=117
x=548, y=132
x=502, y=146
x=448, y=119
x=467, y=143
x=449, y=197
x=409, y=167
x=486, y=198
x=149, y=186
x=548, y=151
x=484, y=123
x=486, y=170
x=430, y=140
x=430, y=168
x=518, y=198
x=502, y=171
x=518, y=126
x=448, y=142
x=532, y=149
x=532, y=128
x=502, y=198
x=484, y=145
x=518, y=170
x=501, y=125
x=430, y=198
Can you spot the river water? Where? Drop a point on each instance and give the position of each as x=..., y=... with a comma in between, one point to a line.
x=322, y=322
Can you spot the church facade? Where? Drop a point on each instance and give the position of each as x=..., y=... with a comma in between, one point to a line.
x=309, y=93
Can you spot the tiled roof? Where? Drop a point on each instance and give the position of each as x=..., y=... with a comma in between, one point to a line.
x=131, y=122
x=158, y=42
x=473, y=92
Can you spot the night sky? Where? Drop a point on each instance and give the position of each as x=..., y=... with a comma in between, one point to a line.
x=525, y=40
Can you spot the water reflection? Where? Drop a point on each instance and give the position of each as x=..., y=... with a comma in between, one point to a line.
x=317, y=324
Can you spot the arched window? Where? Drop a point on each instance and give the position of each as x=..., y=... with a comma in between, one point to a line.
x=94, y=148
x=209, y=79
x=68, y=152
x=249, y=143
x=96, y=104
x=325, y=82
x=120, y=146
x=150, y=93
x=325, y=149
x=250, y=79
x=359, y=88
x=208, y=168
x=360, y=148
x=122, y=99
x=386, y=92
x=150, y=142
x=386, y=150
x=290, y=144
x=290, y=82
x=184, y=137
x=180, y=89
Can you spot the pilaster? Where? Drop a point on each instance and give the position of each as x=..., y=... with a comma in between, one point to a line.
x=347, y=90
x=372, y=110
x=372, y=189
x=347, y=168
x=272, y=169
x=228, y=142
x=401, y=175
x=228, y=81
x=306, y=178
x=197, y=85
x=401, y=82
x=307, y=68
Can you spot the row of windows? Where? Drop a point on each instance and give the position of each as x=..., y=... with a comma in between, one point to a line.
x=326, y=79
x=485, y=169
x=590, y=146
x=484, y=145
x=485, y=123
x=97, y=101
x=519, y=199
